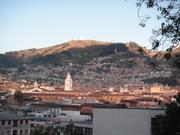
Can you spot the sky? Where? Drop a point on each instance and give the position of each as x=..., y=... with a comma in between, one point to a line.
x=26, y=24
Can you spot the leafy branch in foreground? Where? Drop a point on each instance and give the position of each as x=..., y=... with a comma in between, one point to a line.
x=168, y=34
x=168, y=124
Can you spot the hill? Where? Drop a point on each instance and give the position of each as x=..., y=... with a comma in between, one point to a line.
x=93, y=64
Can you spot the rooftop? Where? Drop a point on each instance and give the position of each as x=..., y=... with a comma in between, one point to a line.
x=12, y=116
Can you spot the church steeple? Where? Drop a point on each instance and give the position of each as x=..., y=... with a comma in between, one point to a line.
x=68, y=82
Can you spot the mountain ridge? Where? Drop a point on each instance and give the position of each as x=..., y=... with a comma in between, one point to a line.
x=91, y=63
x=57, y=48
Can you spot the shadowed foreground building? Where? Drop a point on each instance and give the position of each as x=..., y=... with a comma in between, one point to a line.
x=13, y=124
x=115, y=121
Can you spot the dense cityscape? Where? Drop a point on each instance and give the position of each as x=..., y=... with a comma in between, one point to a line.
x=94, y=67
x=39, y=106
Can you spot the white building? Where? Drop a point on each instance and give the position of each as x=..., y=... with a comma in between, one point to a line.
x=36, y=84
x=68, y=83
x=114, y=121
x=12, y=124
x=58, y=114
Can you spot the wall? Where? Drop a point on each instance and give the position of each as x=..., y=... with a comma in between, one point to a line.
x=108, y=121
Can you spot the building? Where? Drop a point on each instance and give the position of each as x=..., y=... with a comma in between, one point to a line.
x=147, y=103
x=36, y=84
x=115, y=121
x=68, y=83
x=156, y=89
x=83, y=127
x=13, y=124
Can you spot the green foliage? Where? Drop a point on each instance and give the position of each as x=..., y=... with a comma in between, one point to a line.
x=37, y=131
x=167, y=56
x=169, y=124
x=168, y=12
x=21, y=69
x=140, y=50
x=18, y=96
x=69, y=129
x=46, y=131
x=3, y=71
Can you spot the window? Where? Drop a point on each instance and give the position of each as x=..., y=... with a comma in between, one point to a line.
x=3, y=122
x=26, y=131
x=88, y=131
x=9, y=122
x=26, y=121
x=21, y=131
x=15, y=123
x=58, y=111
x=21, y=121
x=8, y=132
x=14, y=132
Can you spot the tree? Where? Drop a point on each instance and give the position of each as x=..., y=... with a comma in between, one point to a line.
x=18, y=96
x=69, y=129
x=141, y=50
x=37, y=131
x=168, y=35
x=169, y=124
x=169, y=15
x=50, y=130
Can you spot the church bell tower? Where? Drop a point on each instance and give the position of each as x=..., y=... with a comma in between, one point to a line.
x=68, y=82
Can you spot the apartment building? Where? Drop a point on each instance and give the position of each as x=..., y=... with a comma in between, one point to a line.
x=13, y=124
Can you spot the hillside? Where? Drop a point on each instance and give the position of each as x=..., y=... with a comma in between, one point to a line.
x=93, y=64
x=56, y=49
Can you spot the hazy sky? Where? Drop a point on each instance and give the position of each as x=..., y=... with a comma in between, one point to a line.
x=41, y=23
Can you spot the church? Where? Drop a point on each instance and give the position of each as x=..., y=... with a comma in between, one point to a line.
x=68, y=84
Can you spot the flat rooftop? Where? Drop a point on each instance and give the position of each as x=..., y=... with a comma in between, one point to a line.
x=12, y=116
